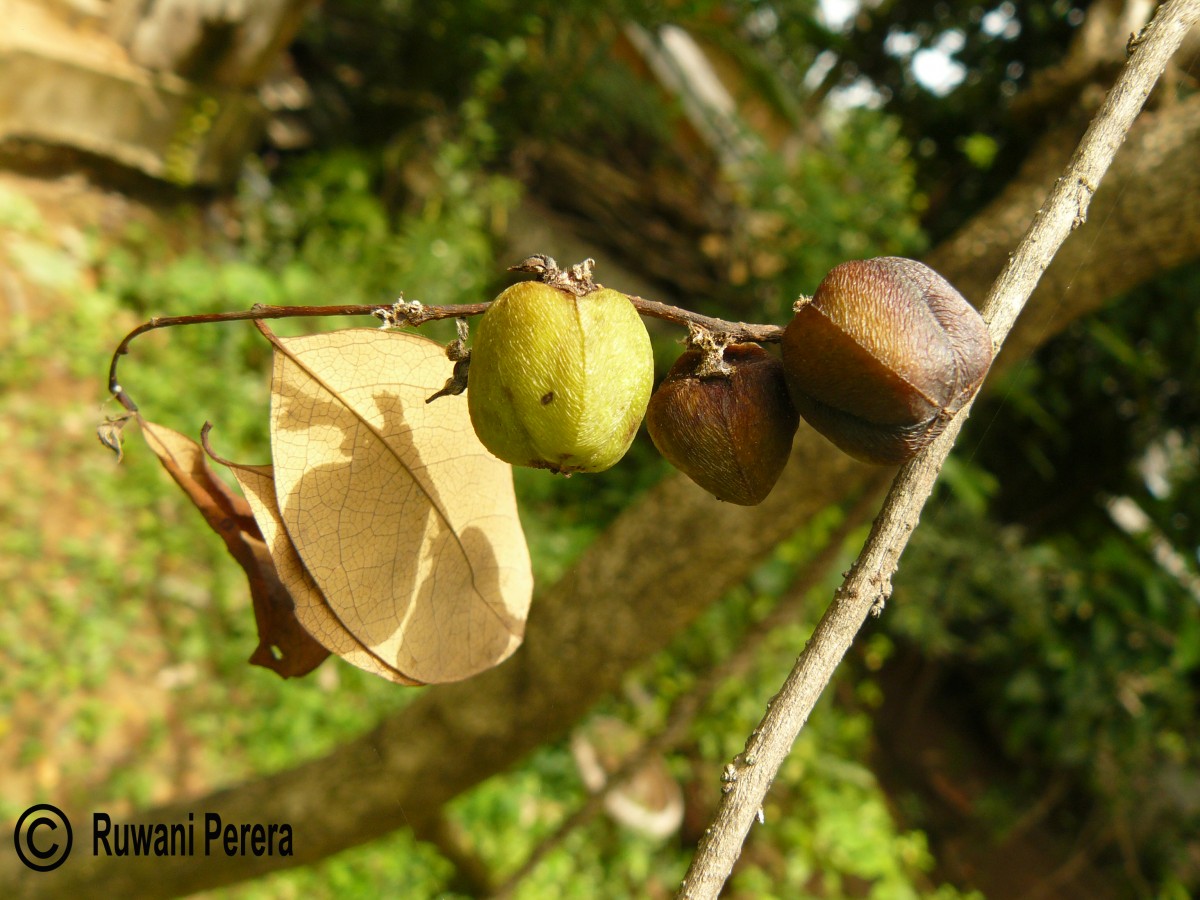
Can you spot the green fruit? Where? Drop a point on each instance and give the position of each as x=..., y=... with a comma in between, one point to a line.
x=883, y=357
x=731, y=434
x=557, y=381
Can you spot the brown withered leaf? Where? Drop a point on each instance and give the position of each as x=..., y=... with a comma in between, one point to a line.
x=406, y=523
x=312, y=610
x=283, y=645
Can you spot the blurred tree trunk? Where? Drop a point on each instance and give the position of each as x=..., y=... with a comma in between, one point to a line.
x=667, y=558
x=165, y=87
x=218, y=41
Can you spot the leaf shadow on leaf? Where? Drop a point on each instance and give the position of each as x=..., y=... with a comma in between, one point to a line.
x=284, y=646
x=404, y=583
x=311, y=608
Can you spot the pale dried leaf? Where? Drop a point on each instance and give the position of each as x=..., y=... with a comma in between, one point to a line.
x=284, y=646
x=406, y=523
x=258, y=484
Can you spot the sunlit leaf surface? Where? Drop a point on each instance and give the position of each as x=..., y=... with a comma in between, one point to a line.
x=406, y=524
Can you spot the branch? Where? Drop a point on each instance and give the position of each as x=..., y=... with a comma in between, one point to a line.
x=256, y=312
x=736, y=332
x=868, y=583
x=414, y=314
x=683, y=713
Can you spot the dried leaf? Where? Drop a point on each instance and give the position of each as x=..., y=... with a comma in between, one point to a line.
x=283, y=645
x=311, y=609
x=227, y=513
x=109, y=432
x=407, y=525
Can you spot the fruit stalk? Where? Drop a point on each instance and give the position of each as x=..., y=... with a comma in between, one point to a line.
x=412, y=314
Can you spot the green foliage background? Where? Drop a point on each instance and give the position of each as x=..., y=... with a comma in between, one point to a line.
x=1081, y=654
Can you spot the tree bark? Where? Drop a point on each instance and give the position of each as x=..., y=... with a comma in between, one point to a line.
x=662, y=562
x=223, y=42
x=171, y=90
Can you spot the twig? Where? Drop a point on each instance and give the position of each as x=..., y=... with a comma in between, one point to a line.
x=868, y=583
x=734, y=332
x=414, y=315
x=687, y=707
x=256, y=312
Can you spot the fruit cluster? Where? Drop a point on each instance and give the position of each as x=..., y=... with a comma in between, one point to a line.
x=878, y=361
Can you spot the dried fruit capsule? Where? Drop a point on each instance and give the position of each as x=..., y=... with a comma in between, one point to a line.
x=559, y=381
x=883, y=357
x=731, y=434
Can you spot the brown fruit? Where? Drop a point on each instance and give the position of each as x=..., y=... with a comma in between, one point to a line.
x=883, y=357
x=731, y=434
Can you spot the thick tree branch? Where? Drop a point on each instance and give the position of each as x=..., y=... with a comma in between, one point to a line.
x=1140, y=224
x=869, y=581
